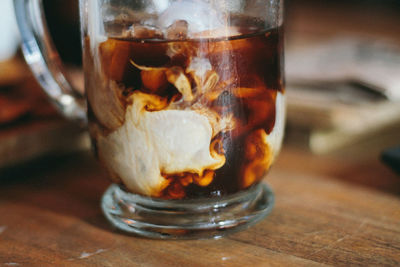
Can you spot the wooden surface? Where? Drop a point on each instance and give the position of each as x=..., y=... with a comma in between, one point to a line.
x=328, y=210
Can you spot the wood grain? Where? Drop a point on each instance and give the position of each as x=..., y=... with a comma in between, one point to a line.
x=50, y=215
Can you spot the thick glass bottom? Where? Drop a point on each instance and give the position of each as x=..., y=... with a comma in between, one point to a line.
x=186, y=219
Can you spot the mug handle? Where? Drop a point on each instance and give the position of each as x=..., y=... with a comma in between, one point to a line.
x=44, y=60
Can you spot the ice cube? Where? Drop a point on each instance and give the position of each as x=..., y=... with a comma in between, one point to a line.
x=142, y=32
x=198, y=14
x=178, y=30
x=217, y=33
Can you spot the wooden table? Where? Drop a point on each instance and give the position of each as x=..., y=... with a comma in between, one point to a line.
x=328, y=211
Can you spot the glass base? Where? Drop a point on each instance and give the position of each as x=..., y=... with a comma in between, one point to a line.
x=186, y=219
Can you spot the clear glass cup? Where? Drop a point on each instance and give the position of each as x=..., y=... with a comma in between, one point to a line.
x=185, y=107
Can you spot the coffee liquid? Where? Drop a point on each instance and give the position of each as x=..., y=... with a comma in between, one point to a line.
x=236, y=77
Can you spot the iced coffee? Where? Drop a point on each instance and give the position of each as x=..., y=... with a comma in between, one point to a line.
x=181, y=111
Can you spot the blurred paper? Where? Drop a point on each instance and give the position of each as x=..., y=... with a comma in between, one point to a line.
x=374, y=64
x=344, y=91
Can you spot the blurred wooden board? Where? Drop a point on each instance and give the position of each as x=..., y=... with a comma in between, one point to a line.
x=39, y=138
x=30, y=127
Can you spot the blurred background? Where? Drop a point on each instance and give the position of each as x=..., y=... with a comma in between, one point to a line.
x=343, y=81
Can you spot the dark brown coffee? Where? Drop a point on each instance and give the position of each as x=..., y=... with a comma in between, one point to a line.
x=231, y=87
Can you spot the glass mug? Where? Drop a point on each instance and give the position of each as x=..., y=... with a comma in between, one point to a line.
x=185, y=107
